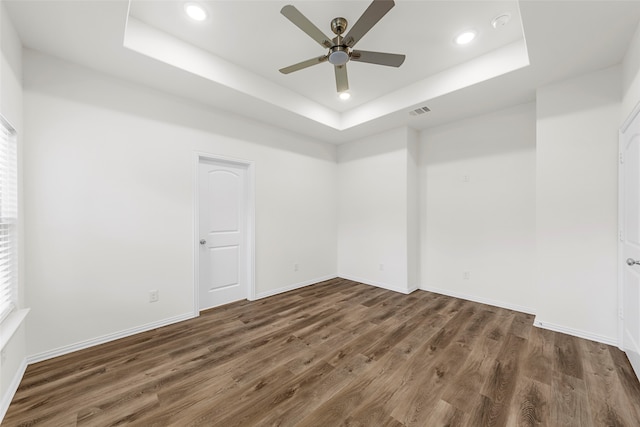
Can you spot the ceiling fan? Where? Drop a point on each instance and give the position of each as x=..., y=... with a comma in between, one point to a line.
x=341, y=47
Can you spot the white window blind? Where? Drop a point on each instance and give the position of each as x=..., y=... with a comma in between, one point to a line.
x=8, y=218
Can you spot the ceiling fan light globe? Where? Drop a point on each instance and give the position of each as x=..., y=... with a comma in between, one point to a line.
x=338, y=57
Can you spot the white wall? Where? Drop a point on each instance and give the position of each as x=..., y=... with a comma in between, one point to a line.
x=477, y=198
x=373, y=210
x=13, y=354
x=109, y=203
x=631, y=77
x=577, y=152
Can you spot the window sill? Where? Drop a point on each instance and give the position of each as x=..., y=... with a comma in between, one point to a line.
x=10, y=325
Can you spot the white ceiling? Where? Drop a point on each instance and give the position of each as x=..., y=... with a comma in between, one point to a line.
x=231, y=60
x=255, y=36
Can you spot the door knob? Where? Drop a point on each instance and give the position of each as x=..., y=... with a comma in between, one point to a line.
x=202, y=241
x=631, y=261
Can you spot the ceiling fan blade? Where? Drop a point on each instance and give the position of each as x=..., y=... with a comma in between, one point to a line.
x=369, y=18
x=301, y=21
x=342, y=82
x=304, y=64
x=380, y=58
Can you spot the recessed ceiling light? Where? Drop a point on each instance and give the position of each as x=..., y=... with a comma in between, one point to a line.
x=344, y=95
x=195, y=11
x=465, y=37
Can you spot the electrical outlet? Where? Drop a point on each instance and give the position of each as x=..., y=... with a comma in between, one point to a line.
x=295, y=267
x=154, y=296
x=381, y=267
x=466, y=275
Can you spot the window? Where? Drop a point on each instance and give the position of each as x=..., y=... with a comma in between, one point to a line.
x=8, y=218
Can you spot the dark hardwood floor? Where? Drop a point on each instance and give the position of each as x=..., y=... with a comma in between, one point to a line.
x=332, y=354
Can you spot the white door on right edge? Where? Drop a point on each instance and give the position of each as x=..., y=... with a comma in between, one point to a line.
x=630, y=150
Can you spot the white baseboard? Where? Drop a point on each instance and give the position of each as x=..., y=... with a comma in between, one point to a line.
x=11, y=391
x=293, y=287
x=382, y=285
x=106, y=338
x=481, y=300
x=575, y=332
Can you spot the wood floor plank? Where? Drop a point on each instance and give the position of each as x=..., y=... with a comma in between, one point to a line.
x=291, y=413
x=379, y=376
x=387, y=376
x=498, y=390
x=117, y=412
x=444, y=414
x=251, y=411
x=465, y=388
x=521, y=325
x=231, y=378
x=530, y=406
x=338, y=353
x=568, y=356
x=539, y=356
x=605, y=392
x=428, y=389
x=335, y=409
x=626, y=375
x=429, y=369
x=569, y=402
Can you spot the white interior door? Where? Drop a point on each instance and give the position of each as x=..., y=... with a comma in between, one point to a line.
x=630, y=240
x=223, y=219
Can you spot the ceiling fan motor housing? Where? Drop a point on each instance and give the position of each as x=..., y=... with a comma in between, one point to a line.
x=338, y=25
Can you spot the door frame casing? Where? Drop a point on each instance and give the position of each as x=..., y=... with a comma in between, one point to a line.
x=621, y=214
x=249, y=237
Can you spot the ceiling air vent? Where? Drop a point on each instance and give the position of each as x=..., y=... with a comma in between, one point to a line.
x=419, y=111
